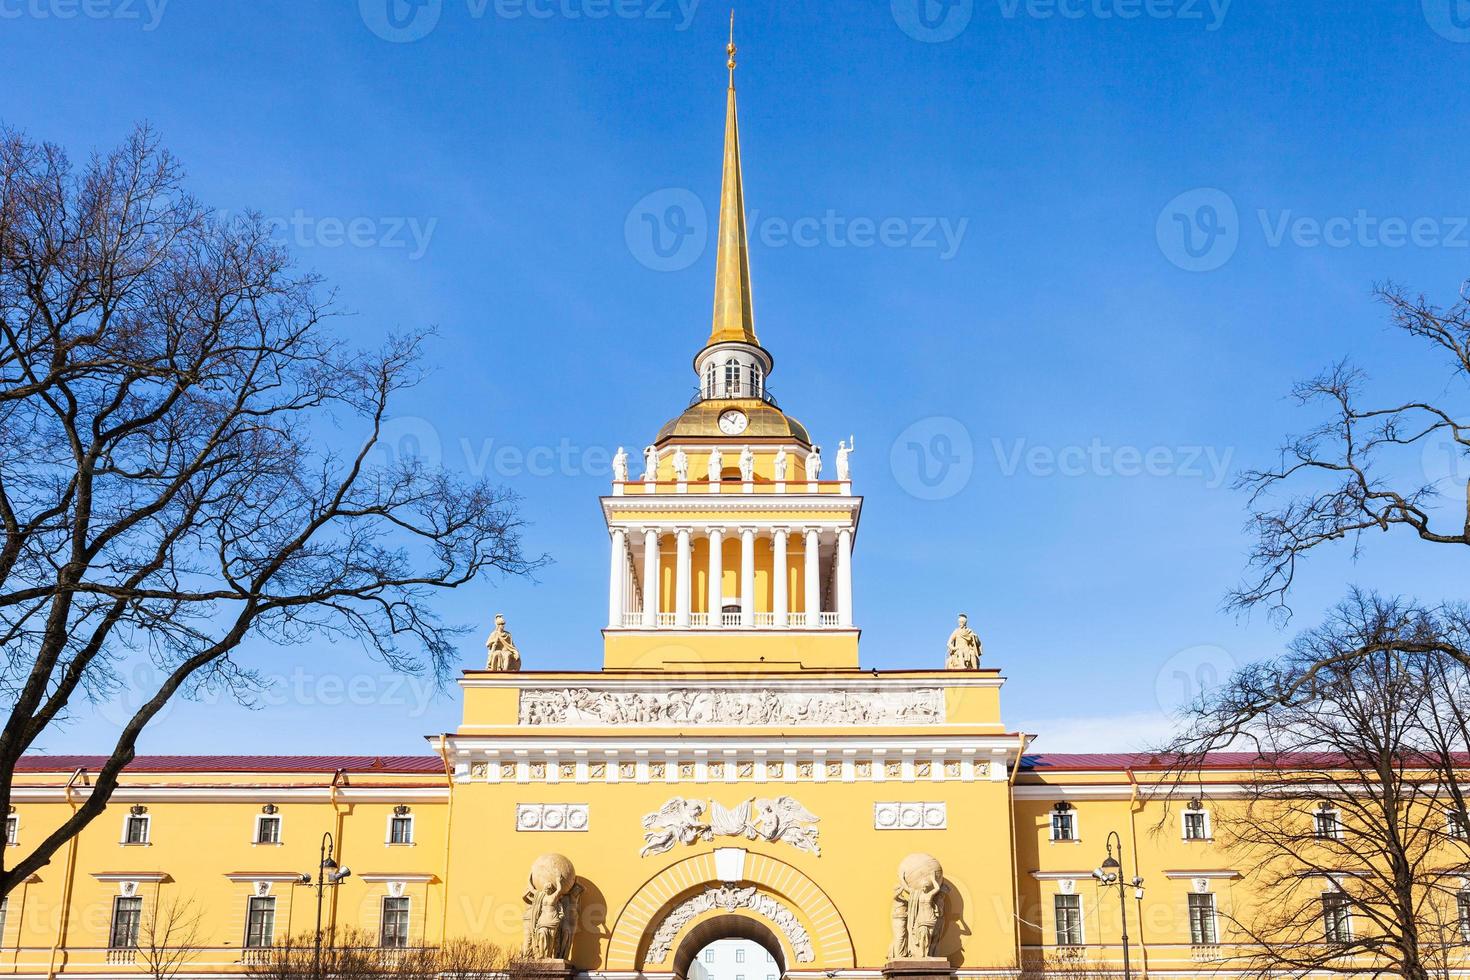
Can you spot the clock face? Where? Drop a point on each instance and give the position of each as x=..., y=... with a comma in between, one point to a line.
x=733, y=422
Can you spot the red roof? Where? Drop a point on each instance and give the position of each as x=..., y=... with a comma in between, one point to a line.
x=240, y=763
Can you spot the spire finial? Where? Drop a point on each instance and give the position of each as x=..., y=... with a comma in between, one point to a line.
x=733, y=320
x=730, y=49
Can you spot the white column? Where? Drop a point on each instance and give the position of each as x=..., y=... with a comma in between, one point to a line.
x=617, y=574
x=716, y=576
x=650, y=578
x=813, y=579
x=778, y=570
x=682, y=580
x=844, y=577
x=747, y=576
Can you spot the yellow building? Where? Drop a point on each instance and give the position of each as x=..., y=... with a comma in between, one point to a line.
x=731, y=771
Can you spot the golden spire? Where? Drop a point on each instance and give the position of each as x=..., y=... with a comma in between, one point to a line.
x=733, y=316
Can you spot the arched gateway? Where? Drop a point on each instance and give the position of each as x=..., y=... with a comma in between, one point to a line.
x=731, y=771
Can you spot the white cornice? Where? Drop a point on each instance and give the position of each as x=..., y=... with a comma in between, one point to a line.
x=729, y=504
x=185, y=793
x=775, y=746
x=1223, y=875
x=597, y=681
x=150, y=877
x=1061, y=875
x=408, y=877
x=250, y=877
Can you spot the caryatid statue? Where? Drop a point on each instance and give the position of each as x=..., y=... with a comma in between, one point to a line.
x=747, y=465
x=716, y=465
x=681, y=465
x=551, y=898
x=620, y=466
x=500, y=649
x=844, y=466
x=780, y=465
x=964, y=647
x=918, y=908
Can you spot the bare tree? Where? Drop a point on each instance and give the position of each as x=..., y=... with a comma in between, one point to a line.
x=167, y=391
x=1353, y=829
x=1343, y=478
x=170, y=937
x=354, y=955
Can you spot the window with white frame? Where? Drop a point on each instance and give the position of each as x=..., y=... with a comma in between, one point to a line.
x=755, y=380
x=732, y=377
x=394, y=931
x=1069, y=919
x=1456, y=825
x=1462, y=913
x=136, y=826
x=709, y=379
x=260, y=922
x=400, y=826
x=1327, y=824
x=1202, y=931
x=12, y=830
x=1196, y=824
x=268, y=829
x=1063, y=822
x=4, y=915
x=127, y=913
x=1337, y=918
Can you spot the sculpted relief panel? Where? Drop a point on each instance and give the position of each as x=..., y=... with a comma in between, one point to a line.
x=684, y=821
x=729, y=898
x=701, y=706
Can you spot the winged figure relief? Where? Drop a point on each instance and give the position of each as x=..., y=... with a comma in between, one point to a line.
x=678, y=821
x=784, y=819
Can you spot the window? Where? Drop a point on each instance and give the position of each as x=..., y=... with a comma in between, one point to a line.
x=709, y=380
x=1069, y=920
x=12, y=830
x=740, y=956
x=1202, y=920
x=400, y=829
x=4, y=913
x=260, y=922
x=135, y=830
x=1196, y=825
x=1063, y=825
x=732, y=377
x=267, y=830
x=1455, y=825
x=1337, y=925
x=126, y=914
x=1462, y=907
x=1328, y=826
x=755, y=380
x=395, y=923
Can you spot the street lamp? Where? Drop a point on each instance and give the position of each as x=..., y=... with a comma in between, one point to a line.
x=329, y=875
x=1111, y=873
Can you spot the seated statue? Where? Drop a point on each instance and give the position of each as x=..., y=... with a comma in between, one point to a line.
x=501, y=649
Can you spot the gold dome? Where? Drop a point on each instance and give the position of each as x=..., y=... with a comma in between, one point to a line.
x=702, y=421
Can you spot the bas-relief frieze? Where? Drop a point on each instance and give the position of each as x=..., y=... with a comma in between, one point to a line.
x=702, y=706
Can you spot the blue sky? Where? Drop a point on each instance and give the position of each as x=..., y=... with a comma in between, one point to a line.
x=1014, y=246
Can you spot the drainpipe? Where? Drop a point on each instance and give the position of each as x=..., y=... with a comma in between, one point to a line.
x=71, y=868
x=448, y=837
x=1133, y=808
x=1015, y=852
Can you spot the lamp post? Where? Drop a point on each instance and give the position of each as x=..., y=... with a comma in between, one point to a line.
x=328, y=876
x=1111, y=873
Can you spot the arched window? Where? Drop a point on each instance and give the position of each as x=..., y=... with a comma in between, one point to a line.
x=755, y=380
x=709, y=380
x=732, y=378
